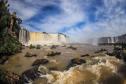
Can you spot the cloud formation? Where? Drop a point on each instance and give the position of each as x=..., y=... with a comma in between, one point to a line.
x=81, y=20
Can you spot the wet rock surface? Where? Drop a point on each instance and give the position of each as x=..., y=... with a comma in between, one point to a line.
x=122, y=70
x=75, y=61
x=71, y=47
x=3, y=59
x=52, y=53
x=85, y=55
x=33, y=74
x=30, y=75
x=54, y=46
x=28, y=54
x=7, y=77
x=113, y=79
x=101, y=50
x=40, y=62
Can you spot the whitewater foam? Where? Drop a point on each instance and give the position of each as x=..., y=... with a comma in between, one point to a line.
x=86, y=73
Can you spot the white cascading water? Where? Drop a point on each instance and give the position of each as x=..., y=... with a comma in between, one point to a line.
x=95, y=70
x=24, y=36
x=112, y=39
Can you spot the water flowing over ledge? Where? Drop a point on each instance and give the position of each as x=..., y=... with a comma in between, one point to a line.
x=98, y=70
x=41, y=38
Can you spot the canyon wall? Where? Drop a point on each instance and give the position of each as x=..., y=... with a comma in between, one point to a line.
x=41, y=38
x=116, y=39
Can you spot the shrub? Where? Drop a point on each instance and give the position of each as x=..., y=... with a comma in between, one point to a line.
x=38, y=47
x=10, y=45
x=31, y=46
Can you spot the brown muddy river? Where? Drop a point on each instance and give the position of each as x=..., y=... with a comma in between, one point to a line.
x=99, y=68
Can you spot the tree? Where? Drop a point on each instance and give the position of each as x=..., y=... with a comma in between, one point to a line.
x=9, y=30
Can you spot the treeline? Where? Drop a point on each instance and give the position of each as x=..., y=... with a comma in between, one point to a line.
x=9, y=30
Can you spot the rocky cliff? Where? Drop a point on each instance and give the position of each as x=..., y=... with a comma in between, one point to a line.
x=116, y=39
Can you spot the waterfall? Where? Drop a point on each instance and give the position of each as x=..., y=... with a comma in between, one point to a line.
x=59, y=37
x=112, y=40
x=24, y=36
x=108, y=40
x=38, y=38
x=117, y=39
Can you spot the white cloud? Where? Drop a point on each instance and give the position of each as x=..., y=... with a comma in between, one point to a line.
x=23, y=10
x=27, y=9
x=70, y=16
x=113, y=25
x=74, y=11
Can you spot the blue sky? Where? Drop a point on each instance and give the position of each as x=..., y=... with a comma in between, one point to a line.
x=81, y=20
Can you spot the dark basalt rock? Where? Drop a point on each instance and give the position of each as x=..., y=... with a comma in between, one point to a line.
x=110, y=54
x=122, y=70
x=112, y=79
x=53, y=68
x=30, y=55
x=51, y=54
x=101, y=50
x=85, y=55
x=73, y=48
x=34, y=73
x=54, y=46
x=40, y=62
x=118, y=53
x=3, y=59
x=76, y=61
x=7, y=77
x=30, y=75
x=38, y=47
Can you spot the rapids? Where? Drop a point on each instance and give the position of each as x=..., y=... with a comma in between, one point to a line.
x=99, y=70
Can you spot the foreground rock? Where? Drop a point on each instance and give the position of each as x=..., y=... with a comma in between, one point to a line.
x=33, y=74
x=7, y=77
x=85, y=55
x=51, y=54
x=76, y=61
x=40, y=62
x=71, y=47
x=30, y=55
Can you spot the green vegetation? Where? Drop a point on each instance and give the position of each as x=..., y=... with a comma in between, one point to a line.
x=38, y=47
x=3, y=75
x=9, y=30
x=31, y=46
